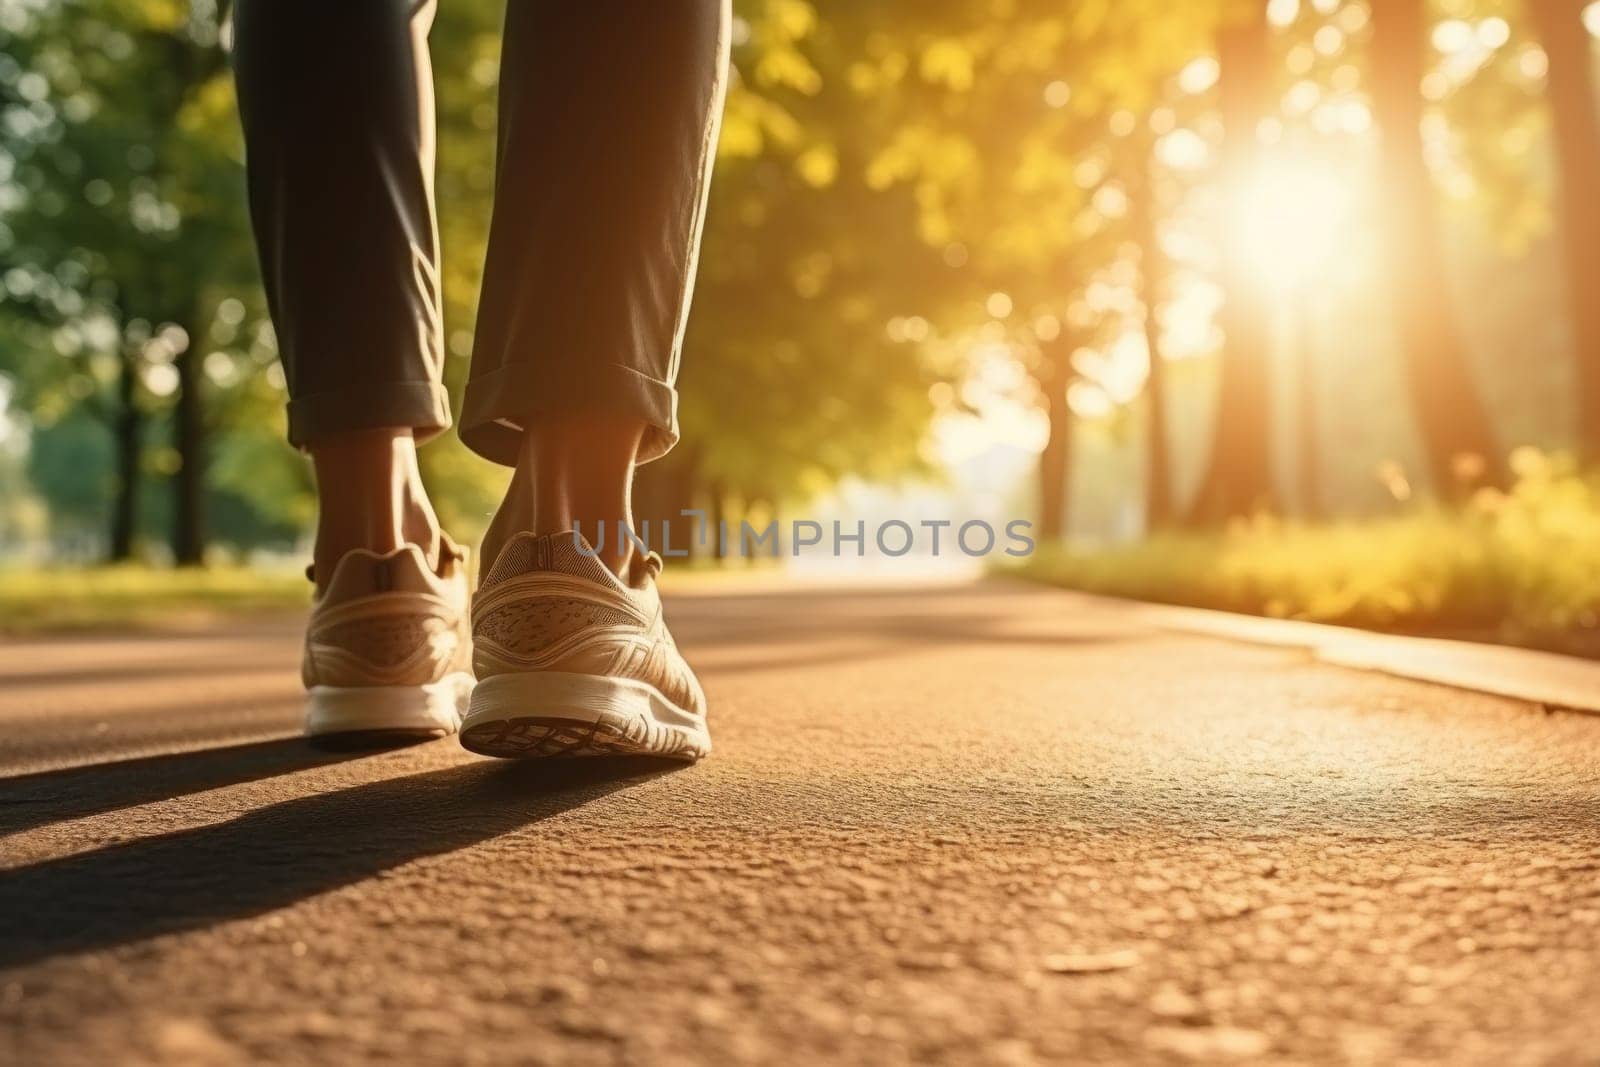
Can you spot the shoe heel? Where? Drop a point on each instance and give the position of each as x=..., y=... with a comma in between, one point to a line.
x=422, y=710
x=551, y=713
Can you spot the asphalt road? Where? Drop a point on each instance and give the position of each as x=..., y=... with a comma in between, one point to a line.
x=967, y=824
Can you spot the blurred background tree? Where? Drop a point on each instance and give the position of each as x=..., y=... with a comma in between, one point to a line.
x=1180, y=262
x=129, y=277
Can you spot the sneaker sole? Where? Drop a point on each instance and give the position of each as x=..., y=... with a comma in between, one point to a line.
x=553, y=715
x=432, y=710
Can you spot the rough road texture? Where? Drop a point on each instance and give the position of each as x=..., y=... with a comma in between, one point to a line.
x=961, y=825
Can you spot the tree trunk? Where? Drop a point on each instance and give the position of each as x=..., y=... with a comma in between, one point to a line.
x=1577, y=146
x=1152, y=278
x=189, y=513
x=719, y=517
x=1238, y=480
x=1307, y=421
x=661, y=491
x=1055, y=459
x=1456, y=431
x=127, y=429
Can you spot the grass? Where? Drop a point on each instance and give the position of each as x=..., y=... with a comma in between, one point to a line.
x=136, y=596
x=1521, y=567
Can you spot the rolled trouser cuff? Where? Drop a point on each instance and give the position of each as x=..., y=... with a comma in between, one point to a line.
x=503, y=403
x=423, y=406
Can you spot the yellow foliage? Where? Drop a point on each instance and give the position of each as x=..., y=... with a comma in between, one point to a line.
x=752, y=123
x=787, y=67
x=948, y=62
x=818, y=166
x=879, y=76
x=1522, y=566
x=210, y=110
x=741, y=126
x=793, y=18
x=162, y=16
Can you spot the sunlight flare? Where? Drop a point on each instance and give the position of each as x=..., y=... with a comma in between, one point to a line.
x=1290, y=220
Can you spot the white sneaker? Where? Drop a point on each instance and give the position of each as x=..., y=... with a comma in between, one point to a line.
x=389, y=647
x=575, y=662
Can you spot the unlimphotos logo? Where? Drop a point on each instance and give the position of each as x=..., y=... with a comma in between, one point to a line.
x=894, y=538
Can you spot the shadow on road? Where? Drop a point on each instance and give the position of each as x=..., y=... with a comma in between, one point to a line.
x=122, y=673
x=275, y=856
x=34, y=800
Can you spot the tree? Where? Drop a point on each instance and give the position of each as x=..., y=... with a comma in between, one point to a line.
x=1457, y=435
x=792, y=377
x=1577, y=148
x=994, y=138
x=1053, y=376
x=1144, y=213
x=1239, y=476
x=129, y=228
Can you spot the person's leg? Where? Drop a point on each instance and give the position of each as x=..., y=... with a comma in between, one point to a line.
x=370, y=496
x=337, y=106
x=572, y=469
x=337, y=102
x=608, y=120
x=608, y=123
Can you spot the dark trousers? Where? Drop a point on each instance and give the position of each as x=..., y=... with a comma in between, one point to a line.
x=608, y=122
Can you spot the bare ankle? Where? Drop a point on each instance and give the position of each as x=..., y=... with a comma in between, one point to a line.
x=571, y=472
x=370, y=496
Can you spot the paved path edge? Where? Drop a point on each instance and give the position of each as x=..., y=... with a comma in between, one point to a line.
x=1549, y=679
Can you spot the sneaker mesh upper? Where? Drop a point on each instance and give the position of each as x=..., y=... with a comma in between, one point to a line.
x=383, y=642
x=596, y=629
x=389, y=620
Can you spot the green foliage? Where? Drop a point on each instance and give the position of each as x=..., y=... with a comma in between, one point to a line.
x=124, y=240
x=790, y=379
x=899, y=162
x=1522, y=566
x=124, y=243
x=70, y=464
x=466, y=47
